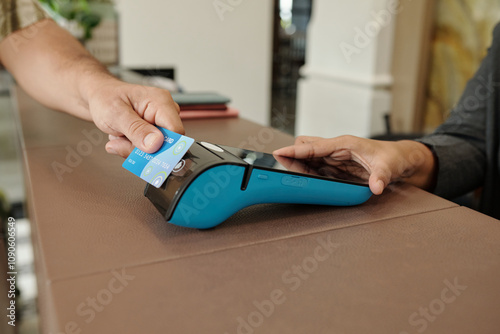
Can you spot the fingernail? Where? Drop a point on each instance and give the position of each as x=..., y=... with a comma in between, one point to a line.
x=150, y=139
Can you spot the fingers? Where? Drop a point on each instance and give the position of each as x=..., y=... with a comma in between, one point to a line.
x=156, y=107
x=167, y=115
x=292, y=165
x=372, y=157
x=142, y=134
x=139, y=131
x=292, y=151
x=120, y=146
x=134, y=112
x=288, y=151
x=317, y=148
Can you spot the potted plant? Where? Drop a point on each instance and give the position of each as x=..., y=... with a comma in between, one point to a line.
x=75, y=15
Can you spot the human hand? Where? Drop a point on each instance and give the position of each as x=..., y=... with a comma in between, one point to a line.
x=378, y=162
x=326, y=167
x=129, y=113
x=59, y=72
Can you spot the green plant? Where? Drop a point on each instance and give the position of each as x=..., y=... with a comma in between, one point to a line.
x=76, y=10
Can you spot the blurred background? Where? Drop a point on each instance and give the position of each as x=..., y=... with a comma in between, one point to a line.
x=303, y=66
x=370, y=68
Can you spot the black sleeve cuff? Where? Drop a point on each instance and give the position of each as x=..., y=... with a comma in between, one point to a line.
x=460, y=165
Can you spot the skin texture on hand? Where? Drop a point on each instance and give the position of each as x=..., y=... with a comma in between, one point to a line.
x=126, y=112
x=383, y=162
x=348, y=170
x=55, y=69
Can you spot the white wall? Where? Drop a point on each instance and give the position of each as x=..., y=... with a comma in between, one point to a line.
x=232, y=55
x=343, y=92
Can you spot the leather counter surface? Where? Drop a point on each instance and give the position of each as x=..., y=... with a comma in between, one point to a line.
x=365, y=279
x=92, y=227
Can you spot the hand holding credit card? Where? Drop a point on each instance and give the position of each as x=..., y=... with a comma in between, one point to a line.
x=154, y=168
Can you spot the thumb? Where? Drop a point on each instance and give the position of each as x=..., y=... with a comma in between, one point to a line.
x=142, y=134
x=379, y=179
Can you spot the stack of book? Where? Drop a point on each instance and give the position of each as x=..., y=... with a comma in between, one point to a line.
x=204, y=105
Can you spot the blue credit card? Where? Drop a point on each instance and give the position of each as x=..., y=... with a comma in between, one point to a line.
x=154, y=168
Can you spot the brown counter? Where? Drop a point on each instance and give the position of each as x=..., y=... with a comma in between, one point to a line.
x=107, y=262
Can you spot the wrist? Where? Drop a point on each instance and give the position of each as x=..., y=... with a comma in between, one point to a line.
x=94, y=79
x=421, y=164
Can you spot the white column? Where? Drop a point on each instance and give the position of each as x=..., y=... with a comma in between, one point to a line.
x=347, y=76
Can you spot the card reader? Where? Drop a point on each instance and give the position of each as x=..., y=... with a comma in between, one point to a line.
x=212, y=182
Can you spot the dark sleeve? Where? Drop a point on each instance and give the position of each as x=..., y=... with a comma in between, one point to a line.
x=460, y=143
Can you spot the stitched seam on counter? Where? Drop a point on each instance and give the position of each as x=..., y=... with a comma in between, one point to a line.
x=50, y=282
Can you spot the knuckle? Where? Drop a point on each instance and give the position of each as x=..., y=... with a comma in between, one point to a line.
x=350, y=142
x=349, y=139
x=311, y=151
x=301, y=139
x=161, y=92
x=136, y=126
x=103, y=125
x=167, y=93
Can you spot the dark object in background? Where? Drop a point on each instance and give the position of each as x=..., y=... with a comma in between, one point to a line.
x=289, y=49
x=204, y=99
x=168, y=73
x=390, y=136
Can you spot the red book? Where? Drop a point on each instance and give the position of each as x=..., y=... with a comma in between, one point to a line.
x=203, y=107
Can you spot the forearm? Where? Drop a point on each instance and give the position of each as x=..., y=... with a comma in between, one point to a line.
x=53, y=67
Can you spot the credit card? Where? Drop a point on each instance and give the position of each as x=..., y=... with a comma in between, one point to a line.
x=154, y=168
